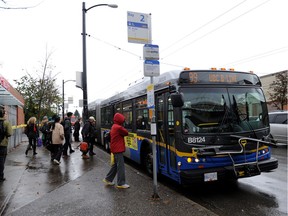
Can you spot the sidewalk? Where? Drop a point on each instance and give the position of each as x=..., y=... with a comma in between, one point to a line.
x=34, y=186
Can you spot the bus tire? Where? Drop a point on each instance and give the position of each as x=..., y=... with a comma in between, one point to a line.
x=149, y=163
x=147, y=160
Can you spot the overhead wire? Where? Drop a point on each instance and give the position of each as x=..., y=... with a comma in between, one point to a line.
x=181, y=66
x=123, y=50
x=202, y=26
x=221, y=26
x=258, y=56
x=116, y=47
x=112, y=86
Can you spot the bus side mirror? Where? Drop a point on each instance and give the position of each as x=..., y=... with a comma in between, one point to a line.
x=177, y=100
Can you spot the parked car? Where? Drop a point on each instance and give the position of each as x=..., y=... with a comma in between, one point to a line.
x=279, y=126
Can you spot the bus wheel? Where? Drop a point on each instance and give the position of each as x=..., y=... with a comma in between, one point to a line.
x=148, y=163
x=107, y=146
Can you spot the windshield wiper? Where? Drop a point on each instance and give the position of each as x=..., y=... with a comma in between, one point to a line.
x=225, y=117
x=239, y=113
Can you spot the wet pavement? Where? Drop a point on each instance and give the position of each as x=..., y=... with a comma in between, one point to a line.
x=35, y=186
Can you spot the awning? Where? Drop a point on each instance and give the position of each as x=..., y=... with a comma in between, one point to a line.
x=6, y=98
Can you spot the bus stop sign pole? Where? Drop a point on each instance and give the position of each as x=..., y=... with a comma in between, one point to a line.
x=154, y=150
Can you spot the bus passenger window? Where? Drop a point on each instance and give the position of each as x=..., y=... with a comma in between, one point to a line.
x=128, y=120
x=142, y=121
x=127, y=112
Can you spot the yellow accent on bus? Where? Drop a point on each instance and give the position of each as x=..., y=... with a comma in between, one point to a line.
x=131, y=141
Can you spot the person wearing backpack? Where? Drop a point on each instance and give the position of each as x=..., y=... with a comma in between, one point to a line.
x=32, y=133
x=5, y=132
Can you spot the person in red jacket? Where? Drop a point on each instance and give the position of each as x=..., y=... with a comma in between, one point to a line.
x=117, y=147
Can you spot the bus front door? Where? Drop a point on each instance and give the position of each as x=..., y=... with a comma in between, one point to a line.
x=165, y=136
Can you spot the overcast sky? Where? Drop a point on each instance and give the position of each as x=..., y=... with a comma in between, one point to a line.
x=246, y=35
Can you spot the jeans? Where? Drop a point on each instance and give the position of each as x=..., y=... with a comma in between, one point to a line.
x=32, y=143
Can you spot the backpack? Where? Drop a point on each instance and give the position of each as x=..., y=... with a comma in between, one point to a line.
x=66, y=125
x=2, y=131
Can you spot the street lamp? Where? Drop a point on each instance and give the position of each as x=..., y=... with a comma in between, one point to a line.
x=63, y=97
x=84, y=77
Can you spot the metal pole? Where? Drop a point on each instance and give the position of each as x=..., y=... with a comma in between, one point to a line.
x=154, y=150
x=84, y=78
x=63, y=99
x=63, y=95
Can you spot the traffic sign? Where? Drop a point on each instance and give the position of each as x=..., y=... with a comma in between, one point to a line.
x=139, y=30
x=151, y=52
x=151, y=68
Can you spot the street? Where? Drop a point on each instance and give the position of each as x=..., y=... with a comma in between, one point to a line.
x=35, y=186
x=33, y=177
x=265, y=194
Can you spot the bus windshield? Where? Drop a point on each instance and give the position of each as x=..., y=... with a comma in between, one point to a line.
x=225, y=110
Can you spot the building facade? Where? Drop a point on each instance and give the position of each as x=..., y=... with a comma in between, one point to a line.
x=266, y=81
x=13, y=103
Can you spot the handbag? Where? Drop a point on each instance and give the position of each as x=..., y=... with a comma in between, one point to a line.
x=84, y=147
x=39, y=142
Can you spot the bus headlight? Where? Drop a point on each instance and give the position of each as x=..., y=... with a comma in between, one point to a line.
x=189, y=160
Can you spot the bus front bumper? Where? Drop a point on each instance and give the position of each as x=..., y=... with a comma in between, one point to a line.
x=223, y=173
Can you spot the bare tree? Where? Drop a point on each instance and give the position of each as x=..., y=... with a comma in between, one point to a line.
x=42, y=96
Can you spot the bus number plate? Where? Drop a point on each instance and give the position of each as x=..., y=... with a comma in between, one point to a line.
x=210, y=177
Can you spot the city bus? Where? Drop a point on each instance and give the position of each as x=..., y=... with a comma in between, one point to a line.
x=211, y=125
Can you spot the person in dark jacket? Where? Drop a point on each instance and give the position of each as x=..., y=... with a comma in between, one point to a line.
x=89, y=136
x=46, y=132
x=77, y=127
x=32, y=133
x=7, y=130
x=117, y=133
x=67, y=131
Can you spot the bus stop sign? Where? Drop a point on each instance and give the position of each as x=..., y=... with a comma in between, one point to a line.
x=151, y=52
x=151, y=68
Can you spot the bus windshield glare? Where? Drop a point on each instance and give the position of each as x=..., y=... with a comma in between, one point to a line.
x=225, y=110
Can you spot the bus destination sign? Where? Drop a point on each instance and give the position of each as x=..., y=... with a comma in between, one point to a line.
x=218, y=77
